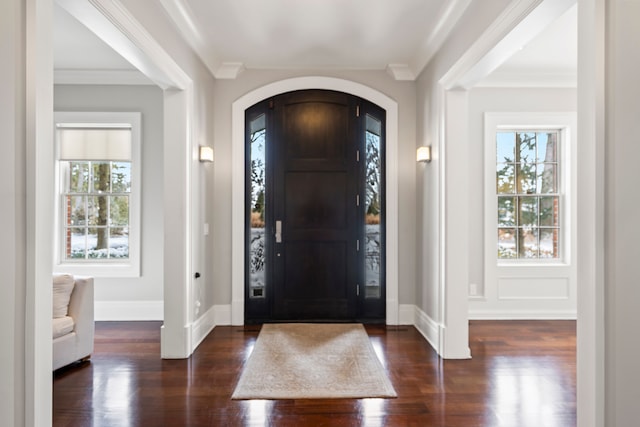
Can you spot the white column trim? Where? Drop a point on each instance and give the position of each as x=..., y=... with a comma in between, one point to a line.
x=39, y=172
x=591, y=344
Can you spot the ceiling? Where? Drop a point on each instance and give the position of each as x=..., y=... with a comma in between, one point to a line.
x=400, y=36
x=550, y=59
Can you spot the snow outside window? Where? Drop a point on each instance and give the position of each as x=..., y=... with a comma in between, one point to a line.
x=98, y=199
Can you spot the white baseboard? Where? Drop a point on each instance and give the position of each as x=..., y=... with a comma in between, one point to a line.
x=202, y=327
x=222, y=315
x=128, y=310
x=429, y=328
x=523, y=315
x=407, y=314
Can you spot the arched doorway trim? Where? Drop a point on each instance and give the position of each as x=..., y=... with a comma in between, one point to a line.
x=237, y=185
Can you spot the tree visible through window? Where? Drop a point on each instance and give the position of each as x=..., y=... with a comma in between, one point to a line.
x=528, y=195
x=96, y=198
x=257, y=257
x=95, y=163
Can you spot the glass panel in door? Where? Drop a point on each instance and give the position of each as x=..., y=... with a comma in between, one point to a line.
x=373, y=212
x=257, y=251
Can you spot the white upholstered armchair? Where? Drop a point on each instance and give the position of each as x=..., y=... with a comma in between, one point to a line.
x=73, y=320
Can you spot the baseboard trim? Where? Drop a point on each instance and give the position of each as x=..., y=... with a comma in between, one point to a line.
x=407, y=314
x=429, y=328
x=523, y=315
x=202, y=327
x=128, y=310
x=222, y=315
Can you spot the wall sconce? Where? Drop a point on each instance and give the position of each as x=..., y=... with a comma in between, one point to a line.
x=206, y=154
x=423, y=154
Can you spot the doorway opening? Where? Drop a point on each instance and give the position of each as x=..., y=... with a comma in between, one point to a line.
x=315, y=208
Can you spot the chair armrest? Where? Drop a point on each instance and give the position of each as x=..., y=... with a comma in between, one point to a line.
x=81, y=308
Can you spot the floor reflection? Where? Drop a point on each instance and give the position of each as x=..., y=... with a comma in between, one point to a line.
x=258, y=412
x=526, y=391
x=114, y=397
x=377, y=347
x=373, y=412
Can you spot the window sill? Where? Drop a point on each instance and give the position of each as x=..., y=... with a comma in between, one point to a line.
x=527, y=264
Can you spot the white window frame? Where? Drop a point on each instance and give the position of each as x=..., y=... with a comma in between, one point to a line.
x=565, y=123
x=101, y=268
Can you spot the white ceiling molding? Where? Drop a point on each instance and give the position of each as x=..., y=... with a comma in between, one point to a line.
x=401, y=72
x=88, y=44
x=229, y=70
x=182, y=15
x=520, y=23
x=448, y=16
x=100, y=77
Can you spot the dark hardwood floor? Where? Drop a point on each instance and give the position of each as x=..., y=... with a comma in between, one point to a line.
x=523, y=373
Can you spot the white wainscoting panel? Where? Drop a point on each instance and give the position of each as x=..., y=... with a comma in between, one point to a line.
x=527, y=288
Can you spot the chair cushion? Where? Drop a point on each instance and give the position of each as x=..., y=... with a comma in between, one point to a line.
x=62, y=326
x=62, y=288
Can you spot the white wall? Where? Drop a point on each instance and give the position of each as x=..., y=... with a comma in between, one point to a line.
x=487, y=304
x=137, y=298
x=13, y=214
x=622, y=208
x=228, y=91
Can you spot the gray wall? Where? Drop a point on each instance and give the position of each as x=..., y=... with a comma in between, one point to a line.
x=149, y=101
x=622, y=205
x=14, y=260
x=219, y=199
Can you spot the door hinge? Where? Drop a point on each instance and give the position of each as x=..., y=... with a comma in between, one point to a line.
x=357, y=200
x=271, y=104
x=358, y=245
x=357, y=155
x=358, y=290
x=357, y=111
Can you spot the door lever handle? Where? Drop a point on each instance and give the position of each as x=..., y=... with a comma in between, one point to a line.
x=278, y=231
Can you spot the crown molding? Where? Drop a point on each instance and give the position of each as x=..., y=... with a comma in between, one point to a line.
x=448, y=16
x=183, y=17
x=229, y=70
x=401, y=72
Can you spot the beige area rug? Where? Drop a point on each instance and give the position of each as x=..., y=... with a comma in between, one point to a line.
x=313, y=361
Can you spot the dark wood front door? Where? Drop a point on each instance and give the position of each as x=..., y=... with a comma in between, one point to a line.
x=314, y=220
x=315, y=206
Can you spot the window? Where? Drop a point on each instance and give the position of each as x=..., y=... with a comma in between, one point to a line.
x=98, y=193
x=528, y=199
x=373, y=205
x=257, y=255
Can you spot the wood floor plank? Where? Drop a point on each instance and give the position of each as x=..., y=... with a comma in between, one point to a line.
x=522, y=374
